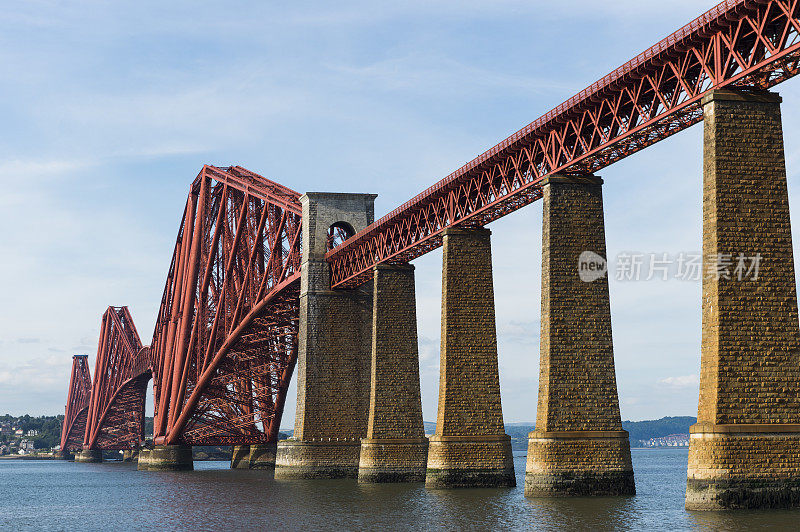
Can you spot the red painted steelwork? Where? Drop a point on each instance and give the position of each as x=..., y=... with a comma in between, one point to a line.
x=115, y=418
x=225, y=341
x=80, y=390
x=747, y=44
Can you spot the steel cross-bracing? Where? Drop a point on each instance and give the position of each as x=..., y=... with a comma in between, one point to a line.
x=225, y=340
x=80, y=389
x=745, y=44
x=115, y=418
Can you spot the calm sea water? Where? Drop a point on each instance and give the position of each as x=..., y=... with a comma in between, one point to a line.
x=51, y=495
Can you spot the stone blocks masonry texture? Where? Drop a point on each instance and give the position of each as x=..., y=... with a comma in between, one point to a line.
x=334, y=350
x=166, y=458
x=395, y=449
x=578, y=447
x=744, y=451
x=470, y=447
x=240, y=457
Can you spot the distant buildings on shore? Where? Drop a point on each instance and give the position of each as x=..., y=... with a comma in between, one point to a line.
x=673, y=440
x=26, y=447
x=25, y=436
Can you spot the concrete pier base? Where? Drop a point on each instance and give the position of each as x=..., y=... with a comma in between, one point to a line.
x=130, y=455
x=89, y=456
x=317, y=459
x=143, y=461
x=64, y=455
x=743, y=467
x=579, y=464
x=262, y=456
x=166, y=458
x=470, y=462
x=240, y=457
x=398, y=460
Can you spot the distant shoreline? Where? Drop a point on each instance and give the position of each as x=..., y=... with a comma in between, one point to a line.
x=23, y=457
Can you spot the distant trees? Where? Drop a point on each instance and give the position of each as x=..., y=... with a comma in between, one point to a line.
x=639, y=431
x=47, y=427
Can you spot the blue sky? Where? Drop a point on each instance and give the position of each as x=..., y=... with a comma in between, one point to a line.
x=111, y=108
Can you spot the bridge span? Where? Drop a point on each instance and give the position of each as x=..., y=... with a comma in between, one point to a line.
x=264, y=279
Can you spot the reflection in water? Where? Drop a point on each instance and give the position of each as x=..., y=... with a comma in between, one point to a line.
x=747, y=520
x=587, y=513
x=60, y=495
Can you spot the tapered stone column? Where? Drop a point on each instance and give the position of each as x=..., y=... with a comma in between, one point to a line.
x=89, y=456
x=333, y=364
x=578, y=447
x=470, y=447
x=240, y=457
x=395, y=449
x=744, y=451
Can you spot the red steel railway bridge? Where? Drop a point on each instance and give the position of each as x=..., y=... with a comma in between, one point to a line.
x=264, y=279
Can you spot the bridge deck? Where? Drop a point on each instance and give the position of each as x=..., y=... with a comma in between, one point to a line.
x=739, y=43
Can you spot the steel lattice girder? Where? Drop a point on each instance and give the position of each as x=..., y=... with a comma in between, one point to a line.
x=121, y=360
x=748, y=44
x=234, y=276
x=80, y=390
x=122, y=426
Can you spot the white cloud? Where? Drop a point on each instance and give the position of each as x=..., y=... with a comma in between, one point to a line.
x=28, y=168
x=684, y=381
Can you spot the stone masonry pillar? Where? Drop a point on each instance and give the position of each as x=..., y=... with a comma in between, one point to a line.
x=395, y=449
x=744, y=451
x=578, y=447
x=262, y=456
x=143, y=460
x=240, y=457
x=166, y=458
x=333, y=365
x=130, y=455
x=470, y=447
x=89, y=456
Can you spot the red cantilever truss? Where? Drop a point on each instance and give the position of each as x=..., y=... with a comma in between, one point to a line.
x=115, y=418
x=749, y=44
x=80, y=389
x=225, y=341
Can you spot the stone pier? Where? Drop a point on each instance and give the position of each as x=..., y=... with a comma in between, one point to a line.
x=744, y=451
x=240, y=457
x=262, y=456
x=470, y=447
x=143, y=461
x=395, y=449
x=130, y=455
x=166, y=458
x=333, y=366
x=89, y=456
x=578, y=447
